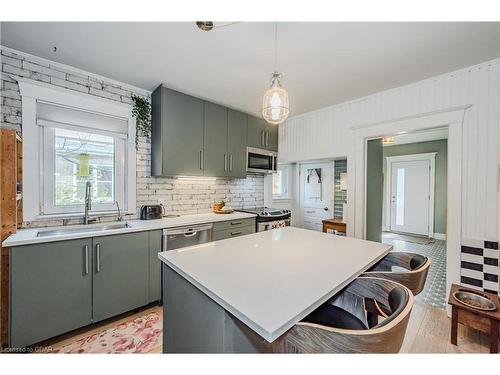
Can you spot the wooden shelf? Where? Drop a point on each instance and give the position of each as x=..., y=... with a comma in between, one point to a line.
x=11, y=218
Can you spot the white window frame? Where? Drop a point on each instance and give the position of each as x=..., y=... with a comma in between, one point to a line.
x=287, y=168
x=33, y=91
x=47, y=167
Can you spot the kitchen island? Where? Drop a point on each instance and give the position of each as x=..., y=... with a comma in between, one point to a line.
x=240, y=295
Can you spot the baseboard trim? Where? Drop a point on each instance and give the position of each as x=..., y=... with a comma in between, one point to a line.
x=439, y=236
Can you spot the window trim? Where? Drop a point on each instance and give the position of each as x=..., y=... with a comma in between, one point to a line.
x=33, y=91
x=287, y=195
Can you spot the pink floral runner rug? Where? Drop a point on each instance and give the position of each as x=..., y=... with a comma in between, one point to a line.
x=138, y=335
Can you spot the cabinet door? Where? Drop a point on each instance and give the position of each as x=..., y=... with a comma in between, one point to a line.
x=154, y=266
x=237, y=143
x=50, y=290
x=271, y=137
x=121, y=274
x=216, y=158
x=256, y=132
x=182, y=138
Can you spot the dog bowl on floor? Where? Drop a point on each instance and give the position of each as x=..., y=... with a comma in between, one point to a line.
x=474, y=300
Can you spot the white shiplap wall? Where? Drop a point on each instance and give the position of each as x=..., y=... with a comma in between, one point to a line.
x=326, y=133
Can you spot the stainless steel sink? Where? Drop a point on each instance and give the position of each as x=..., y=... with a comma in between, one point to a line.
x=90, y=228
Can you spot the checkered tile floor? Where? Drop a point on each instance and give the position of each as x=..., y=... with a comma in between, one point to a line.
x=434, y=293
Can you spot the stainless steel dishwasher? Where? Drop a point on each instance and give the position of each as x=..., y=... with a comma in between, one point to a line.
x=175, y=238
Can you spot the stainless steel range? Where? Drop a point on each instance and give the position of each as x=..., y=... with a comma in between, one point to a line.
x=270, y=218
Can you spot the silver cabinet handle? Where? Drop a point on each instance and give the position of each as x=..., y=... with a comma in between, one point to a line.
x=262, y=138
x=190, y=234
x=235, y=222
x=235, y=233
x=201, y=159
x=230, y=162
x=97, y=258
x=86, y=259
x=267, y=138
x=225, y=162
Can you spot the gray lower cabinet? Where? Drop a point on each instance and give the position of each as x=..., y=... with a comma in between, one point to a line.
x=235, y=232
x=233, y=228
x=57, y=287
x=51, y=290
x=121, y=274
x=154, y=266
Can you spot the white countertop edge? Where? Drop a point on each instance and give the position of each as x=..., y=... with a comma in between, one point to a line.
x=28, y=236
x=268, y=336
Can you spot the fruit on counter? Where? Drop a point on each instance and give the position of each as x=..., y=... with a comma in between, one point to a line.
x=218, y=205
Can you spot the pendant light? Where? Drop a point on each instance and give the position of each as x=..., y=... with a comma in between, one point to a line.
x=275, y=104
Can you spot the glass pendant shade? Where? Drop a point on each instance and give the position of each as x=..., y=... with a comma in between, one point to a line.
x=275, y=104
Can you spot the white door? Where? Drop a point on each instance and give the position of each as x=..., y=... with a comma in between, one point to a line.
x=410, y=196
x=316, y=194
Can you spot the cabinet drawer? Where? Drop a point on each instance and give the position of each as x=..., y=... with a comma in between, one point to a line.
x=233, y=232
x=317, y=213
x=234, y=224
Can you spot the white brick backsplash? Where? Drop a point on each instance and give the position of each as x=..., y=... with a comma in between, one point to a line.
x=11, y=61
x=11, y=94
x=41, y=69
x=178, y=196
x=105, y=94
x=25, y=73
x=69, y=85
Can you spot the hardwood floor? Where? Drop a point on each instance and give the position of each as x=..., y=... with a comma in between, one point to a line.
x=428, y=332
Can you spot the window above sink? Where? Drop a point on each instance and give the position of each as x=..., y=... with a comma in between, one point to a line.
x=70, y=138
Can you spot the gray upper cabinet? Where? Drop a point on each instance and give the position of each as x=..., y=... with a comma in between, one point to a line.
x=176, y=134
x=237, y=143
x=51, y=290
x=193, y=137
x=256, y=132
x=216, y=158
x=272, y=137
x=121, y=274
x=225, y=142
x=262, y=134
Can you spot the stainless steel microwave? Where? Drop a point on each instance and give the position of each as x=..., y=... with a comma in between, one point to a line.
x=261, y=161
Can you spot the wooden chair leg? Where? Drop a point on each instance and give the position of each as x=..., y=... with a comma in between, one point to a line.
x=494, y=336
x=454, y=325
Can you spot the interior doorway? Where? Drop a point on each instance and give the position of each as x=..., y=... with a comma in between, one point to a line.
x=412, y=169
x=316, y=194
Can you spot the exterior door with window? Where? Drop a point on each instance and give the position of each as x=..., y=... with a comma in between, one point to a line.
x=410, y=196
x=316, y=194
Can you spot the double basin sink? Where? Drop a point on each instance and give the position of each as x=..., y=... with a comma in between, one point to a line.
x=86, y=229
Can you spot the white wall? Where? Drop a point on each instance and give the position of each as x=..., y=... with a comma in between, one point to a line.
x=181, y=197
x=285, y=204
x=326, y=133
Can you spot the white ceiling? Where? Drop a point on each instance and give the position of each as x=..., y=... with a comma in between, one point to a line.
x=322, y=63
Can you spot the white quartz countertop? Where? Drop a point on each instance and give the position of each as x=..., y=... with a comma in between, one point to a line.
x=29, y=236
x=271, y=280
